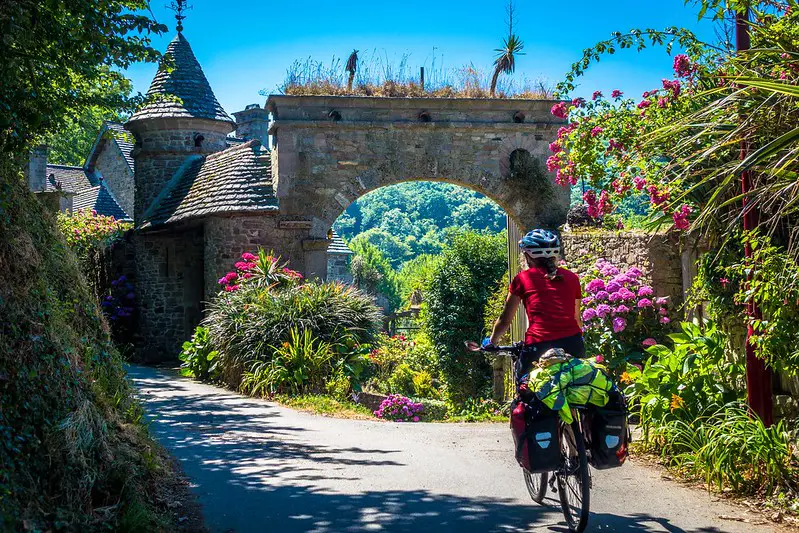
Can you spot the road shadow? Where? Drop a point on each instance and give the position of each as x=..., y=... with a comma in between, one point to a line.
x=255, y=473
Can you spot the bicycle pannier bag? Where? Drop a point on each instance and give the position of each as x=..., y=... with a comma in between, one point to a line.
x=609, y=433
x=535, y=434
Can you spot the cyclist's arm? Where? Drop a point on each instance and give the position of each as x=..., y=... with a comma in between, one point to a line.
x=503, y=322
x=577, y=314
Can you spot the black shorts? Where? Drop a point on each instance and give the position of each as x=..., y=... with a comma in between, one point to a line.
x=573, y=346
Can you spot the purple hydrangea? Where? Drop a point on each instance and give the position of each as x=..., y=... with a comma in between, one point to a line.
x=663, y=311
x=619, y=324
x=603, y=310
x=588, y=300
x=399, y=409
x=645, y=290
x=665, y=320
x=621, y=309
x=595, y=285
x=661, y=301
x=601, y=295
x=589, y=314
x=613, y=286
x=644, y=302
x=615, y=297
x=626, y=293
x=634, y=272
x=621, y=279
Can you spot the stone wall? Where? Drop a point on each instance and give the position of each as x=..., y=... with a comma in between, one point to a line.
x=226, y=238
x=658, y=255
x=338, y=268
x=169, y=291
x=329, y=151
x=117, y=175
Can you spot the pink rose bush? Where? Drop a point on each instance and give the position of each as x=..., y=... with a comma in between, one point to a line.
x=400, y=409
x=264, y=270
x=621, y=315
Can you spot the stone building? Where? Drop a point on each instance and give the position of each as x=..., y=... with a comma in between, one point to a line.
x=202, y=188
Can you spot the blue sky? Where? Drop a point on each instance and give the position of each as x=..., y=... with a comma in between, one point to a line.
x=245, y=47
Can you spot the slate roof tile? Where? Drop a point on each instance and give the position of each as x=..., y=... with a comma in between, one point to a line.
x=184, y=80
x=234, y=180
x=338, y=246
x=70, y=179
x=101, y=200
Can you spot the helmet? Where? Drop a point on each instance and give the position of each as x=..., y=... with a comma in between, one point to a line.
x=540, y=243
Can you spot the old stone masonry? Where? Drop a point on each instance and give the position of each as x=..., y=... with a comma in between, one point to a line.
x=202, y=188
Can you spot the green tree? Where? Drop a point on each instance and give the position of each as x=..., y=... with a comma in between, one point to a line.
x=372, y=271
x=457, y=292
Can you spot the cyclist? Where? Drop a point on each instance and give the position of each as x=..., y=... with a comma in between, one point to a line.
x=551, y=298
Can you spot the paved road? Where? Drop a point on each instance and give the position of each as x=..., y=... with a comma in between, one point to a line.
x=259, y=467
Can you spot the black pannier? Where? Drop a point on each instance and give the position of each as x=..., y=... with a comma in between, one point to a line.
x=610, y=435
x=535, y=434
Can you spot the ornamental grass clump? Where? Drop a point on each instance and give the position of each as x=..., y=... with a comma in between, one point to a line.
x=621, y=314
x=400, y=409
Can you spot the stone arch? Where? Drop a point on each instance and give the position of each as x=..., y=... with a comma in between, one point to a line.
x=321, y=167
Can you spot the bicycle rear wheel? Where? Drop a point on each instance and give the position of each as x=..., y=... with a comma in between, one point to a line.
x=574, y=483
x=536, y=485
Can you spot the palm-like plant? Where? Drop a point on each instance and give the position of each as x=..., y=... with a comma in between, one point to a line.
x=506, y=60
x=351, y=68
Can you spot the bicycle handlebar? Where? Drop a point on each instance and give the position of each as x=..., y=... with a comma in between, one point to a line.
x=515, y=349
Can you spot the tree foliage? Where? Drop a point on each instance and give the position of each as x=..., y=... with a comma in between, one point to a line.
x=457, y=292
x=410, y=219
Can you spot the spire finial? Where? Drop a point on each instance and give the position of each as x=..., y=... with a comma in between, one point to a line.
x=179, y=7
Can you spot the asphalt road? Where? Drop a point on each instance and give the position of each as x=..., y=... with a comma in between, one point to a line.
x=259, y=467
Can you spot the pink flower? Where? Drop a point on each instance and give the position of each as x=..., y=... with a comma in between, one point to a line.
x=614, y=297
x=595, y=285
x=682, y=65
x=657, y=197
x=646, y=343
x=596, y=130
x=634, y=272
x=664, y=320
x=644, y=302
x=231, y=277
x=673, y=86
x=578, y=102
x=597, y=94
x=553, y=163
x=619, y=324
x=663, y=311
x=601, y=295
x=626, y=293
x=223, y=280
x=243, y=265
x=724, y=282
x=589, y=314
x=247, y=256
x=621, y=310
x=588, y=300
x=613, y=144
x=680, y=217
x=613, y=286
x=645, y=290
x=663, y=300
x=603, y=310
x=643, y=104
x=416, y=419
x=616, y=93
x=559, y=110
x=554, y=147
x=662, y=102
x=247, y=275
x=639, y=183
x=599, y=358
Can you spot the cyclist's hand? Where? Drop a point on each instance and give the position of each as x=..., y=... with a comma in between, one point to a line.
x=487, y=344
x=472, y=346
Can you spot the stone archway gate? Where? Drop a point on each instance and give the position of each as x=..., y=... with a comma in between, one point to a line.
x=327, y=151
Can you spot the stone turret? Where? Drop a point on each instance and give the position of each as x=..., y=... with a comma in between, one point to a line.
x=180, y=117
x=253, y=123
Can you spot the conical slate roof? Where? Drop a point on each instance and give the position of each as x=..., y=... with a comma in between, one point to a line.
x=182, y=91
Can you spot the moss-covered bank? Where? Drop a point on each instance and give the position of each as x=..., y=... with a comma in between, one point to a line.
x=74, y=454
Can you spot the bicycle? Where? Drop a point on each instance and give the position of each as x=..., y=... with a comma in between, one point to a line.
x=572, y=476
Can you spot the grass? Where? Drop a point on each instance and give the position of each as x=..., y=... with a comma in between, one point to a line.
x=380, y=76
x=321, y=404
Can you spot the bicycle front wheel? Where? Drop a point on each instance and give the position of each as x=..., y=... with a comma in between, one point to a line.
x=574, y=483
x=536, y=485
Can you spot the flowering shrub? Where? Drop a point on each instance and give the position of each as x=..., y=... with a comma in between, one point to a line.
x=621, y=314
x=86, y=231
x=404, y=366
x=400, y=409
x=264, y=270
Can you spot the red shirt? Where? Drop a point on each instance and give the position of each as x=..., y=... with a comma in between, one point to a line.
x=550, y=305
